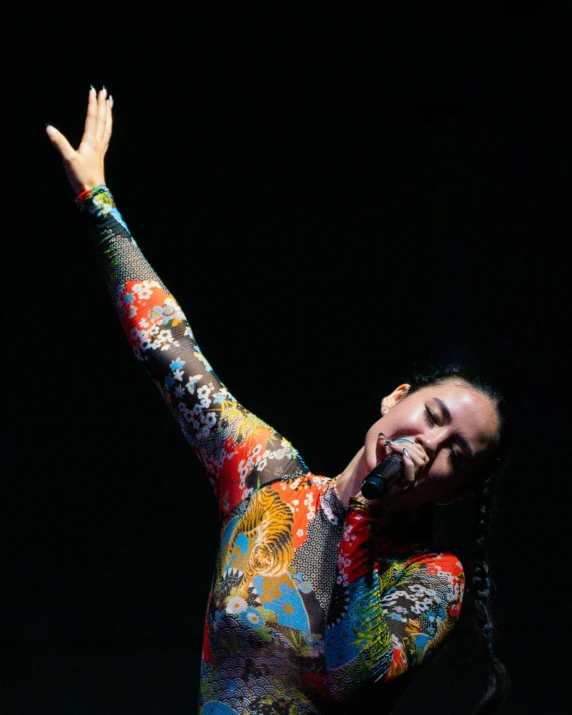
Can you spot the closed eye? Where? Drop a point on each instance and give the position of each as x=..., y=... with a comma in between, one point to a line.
x=429, y=416
x=431, y=419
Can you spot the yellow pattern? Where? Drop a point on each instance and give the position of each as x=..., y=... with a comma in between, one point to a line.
x=267, y=523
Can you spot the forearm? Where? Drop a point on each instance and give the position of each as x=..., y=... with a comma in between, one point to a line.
x=402, y=601
x=238, y=449
x=155, y=326
x=119, y=256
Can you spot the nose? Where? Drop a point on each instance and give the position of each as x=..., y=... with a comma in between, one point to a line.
x=432, y=441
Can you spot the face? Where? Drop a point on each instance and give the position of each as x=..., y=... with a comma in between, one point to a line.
x=453, y=423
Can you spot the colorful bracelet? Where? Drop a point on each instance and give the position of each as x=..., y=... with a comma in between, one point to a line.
x=80, y=197
x=88, y=193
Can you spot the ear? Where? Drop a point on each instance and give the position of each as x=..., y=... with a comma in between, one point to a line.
x=394, y=397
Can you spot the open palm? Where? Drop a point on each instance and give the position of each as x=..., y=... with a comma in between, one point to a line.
x=84, y=166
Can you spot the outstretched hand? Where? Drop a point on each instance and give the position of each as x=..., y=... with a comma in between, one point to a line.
x=84, y=166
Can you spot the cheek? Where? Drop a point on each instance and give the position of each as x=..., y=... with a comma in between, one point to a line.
x=408, y=418
x=442, y=469
x=438, y=482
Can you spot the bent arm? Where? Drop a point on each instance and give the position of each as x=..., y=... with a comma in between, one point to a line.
x=399, y=610
x=239, y=451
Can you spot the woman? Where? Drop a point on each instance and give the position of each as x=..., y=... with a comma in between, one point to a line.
x=321, y=597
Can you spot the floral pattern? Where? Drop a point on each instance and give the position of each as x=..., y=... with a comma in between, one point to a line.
x=309, y=602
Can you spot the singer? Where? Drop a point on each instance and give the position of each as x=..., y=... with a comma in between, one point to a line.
x=322, y=598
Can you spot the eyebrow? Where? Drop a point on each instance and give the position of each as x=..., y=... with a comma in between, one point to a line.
x=460, y=439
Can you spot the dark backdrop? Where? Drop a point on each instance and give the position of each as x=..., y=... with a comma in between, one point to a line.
x=333, y=208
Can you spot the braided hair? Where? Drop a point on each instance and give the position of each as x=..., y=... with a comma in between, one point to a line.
x=483, y=592
x=484, y=490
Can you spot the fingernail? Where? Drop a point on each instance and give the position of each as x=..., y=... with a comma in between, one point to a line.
x=110, y=100
x=92, y=88
x=405, y=452
x=50, y=131
x=379, y=435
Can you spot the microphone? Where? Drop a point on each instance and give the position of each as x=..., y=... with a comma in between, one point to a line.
x=384, y=476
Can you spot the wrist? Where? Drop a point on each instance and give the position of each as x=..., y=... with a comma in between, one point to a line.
x=86, y=194
x=81, y=196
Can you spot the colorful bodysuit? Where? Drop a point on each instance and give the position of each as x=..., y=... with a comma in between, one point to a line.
x=310, y=603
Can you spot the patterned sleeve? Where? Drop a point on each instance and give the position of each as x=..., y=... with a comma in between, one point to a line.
x=239, y=451
x=396, y=610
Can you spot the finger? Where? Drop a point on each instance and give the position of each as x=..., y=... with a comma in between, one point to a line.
x=416, y=451
x=90, y=126
x=66, y=150
x=108, y=123
x=414, y=459
x=409, y=467
x=101, y=114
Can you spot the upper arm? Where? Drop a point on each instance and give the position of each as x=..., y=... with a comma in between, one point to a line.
x=396, y=613
x=239, y=451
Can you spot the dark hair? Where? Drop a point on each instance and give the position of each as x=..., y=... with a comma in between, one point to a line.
x=484, y=487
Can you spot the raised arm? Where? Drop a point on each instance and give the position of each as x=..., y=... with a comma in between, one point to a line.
x=238, y=450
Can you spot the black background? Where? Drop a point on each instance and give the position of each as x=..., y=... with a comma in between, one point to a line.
x=334, y=204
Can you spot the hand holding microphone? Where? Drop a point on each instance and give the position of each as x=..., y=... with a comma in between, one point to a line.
x=385, y=474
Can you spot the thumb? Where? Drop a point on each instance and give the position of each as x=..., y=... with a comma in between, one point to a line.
x=63, y=146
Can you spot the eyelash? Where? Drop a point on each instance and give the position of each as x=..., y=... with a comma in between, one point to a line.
x=430, y=421
x=429, y=417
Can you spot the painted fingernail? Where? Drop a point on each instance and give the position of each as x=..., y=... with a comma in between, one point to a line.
x=406, y=453
x=381, y=434
x=92, y=88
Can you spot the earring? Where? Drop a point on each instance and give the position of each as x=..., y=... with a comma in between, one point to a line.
x=384, y=409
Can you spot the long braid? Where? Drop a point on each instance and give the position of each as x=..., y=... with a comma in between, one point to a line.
x=482, y=585
x=498, y=678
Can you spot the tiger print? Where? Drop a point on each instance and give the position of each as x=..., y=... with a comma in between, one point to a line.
x=267, y=523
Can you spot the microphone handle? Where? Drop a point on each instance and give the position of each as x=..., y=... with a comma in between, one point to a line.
x=384, y=475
